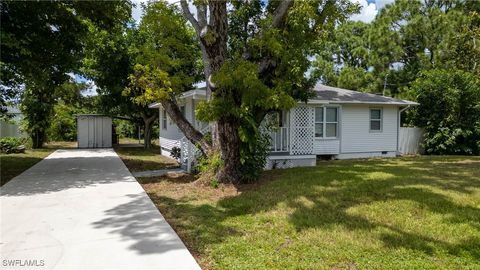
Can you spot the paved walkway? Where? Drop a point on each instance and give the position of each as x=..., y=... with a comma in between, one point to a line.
x=82, y=209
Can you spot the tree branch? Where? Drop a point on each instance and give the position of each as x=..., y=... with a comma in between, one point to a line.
x=192, y=134
x=279, y=16
x=189, y=16
x=202, y=15
x=280, y=13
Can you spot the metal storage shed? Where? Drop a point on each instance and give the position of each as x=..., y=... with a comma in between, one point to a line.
x=94, y=131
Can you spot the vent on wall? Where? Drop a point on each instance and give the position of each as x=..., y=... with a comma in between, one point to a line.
x=384, y=152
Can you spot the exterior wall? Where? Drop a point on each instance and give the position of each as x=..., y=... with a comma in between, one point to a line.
x=282, y=162
x=366, y=155
x=170, y=136
x=326, y=147
x=94, y=131
x=356, y=137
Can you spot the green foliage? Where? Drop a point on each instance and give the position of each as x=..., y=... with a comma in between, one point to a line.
x=126, y=129
x=253, y=156
x=210, y=164
x=43, y=41
x=9, y=145
x=406, y=38
x=449, y=111
x=166, y=56
x=64, y=127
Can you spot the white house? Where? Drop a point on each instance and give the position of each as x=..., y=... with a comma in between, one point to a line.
x=336, y=123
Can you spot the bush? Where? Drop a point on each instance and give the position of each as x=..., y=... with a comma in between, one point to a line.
x=10, y=145
x=449, y=111
x=253, y=156
x=63, y=125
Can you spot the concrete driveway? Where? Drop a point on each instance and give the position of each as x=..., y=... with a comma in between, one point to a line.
x=82, y=209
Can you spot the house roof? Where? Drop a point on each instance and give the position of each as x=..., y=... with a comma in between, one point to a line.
x=324, y=95
x=329, y=94
x=199, y=93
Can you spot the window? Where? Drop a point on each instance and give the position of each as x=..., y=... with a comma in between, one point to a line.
x=319, y=122
x=331, y=123
x=326, y=122
x=164, y=119
x=376, y=119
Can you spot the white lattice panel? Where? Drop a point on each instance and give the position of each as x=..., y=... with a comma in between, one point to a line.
x=302, y=130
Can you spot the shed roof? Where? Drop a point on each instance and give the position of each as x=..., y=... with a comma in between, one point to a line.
x=339, y=95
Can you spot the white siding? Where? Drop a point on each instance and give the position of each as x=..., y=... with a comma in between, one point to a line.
x=326, y=147
x=356, y=136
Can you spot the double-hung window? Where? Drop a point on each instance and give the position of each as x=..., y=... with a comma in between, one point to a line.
x=164, y=119
x=376, y=119
x=326, y=122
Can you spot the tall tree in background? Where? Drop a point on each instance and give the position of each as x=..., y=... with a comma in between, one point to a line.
x=41, y=43
x=167, y=59
x=406, y=38
x=254, y=61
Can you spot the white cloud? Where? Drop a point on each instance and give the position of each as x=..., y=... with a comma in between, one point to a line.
x=368, y=11
x=381, y=3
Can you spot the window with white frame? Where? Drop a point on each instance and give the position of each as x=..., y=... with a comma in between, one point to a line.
x=326, y=122
x=376, y=119
x=164, y=119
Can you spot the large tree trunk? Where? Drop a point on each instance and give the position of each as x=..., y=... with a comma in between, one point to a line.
x=147, y=130
x=229, y=141
x=213, y=38
x=38, y=138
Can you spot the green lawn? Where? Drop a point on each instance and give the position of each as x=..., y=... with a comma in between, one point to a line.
x=406, y=213
x=139, y=159
x=12, y=165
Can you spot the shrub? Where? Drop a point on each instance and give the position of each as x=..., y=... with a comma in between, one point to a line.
x=449, y=111
x=253, y=156
x=10, y=145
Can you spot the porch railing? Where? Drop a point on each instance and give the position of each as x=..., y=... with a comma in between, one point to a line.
x=280, y=139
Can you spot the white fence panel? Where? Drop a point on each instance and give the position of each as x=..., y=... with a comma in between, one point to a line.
x=409, y=140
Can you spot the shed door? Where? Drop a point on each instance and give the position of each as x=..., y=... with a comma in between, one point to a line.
x=91, y=132
x=107, y=132
x=98, y=132
x=82, y=129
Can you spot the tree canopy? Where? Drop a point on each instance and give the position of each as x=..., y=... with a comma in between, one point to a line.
x=42, y=42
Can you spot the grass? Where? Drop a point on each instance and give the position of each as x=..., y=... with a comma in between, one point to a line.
x=140, y=159
x=12, y=165
x=406, y=213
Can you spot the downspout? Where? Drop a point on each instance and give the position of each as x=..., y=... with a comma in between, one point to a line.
x=398, y=125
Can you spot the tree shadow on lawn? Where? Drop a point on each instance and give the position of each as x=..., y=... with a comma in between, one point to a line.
x=12, y=166
x=331, y=189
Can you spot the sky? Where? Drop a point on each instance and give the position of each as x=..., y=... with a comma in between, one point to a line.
x=369, y=9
